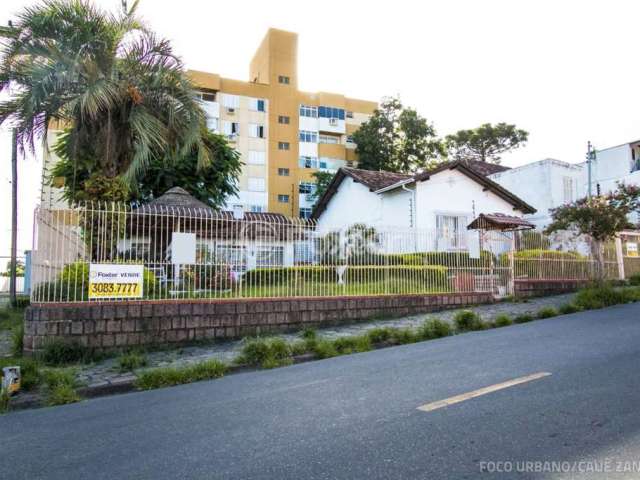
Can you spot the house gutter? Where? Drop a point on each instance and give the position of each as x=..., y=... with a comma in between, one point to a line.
x=396, y=185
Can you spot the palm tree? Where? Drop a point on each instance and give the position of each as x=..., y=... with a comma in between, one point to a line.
x=119, y=91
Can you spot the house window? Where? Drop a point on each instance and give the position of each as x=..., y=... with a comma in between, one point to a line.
x=207, y=96
x=306, y=136
x=212, y=124
x=303, y=251
x=283, y=172
x=283, y=145
x=305, y=212
x=255, y=184
x=270, y=256
x=283, y=198
x=451, y=232
x=256, y=208
x=308, y=162
x=283, y=119
x=350, y=139
x=306, y=187
x=283, y=79
x=567, y=189
x=230, y=101
x=256, y=157
x=256, y=130
x=331, y=112
x=256, y=104
x=349, y=114
x=332, y=139
x=308, y=111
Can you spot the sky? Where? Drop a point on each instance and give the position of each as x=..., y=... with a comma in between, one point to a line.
x=565, y=71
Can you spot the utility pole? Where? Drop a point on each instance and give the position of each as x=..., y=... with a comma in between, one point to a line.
x=591, y=156
x=14, y=218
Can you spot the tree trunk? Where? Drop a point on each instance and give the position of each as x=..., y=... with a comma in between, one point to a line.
x=598, y=255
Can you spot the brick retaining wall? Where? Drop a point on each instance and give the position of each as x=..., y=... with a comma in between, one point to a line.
x=111, y=325
x=536, y=288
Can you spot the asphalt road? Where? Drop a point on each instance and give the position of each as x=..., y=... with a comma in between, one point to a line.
x=356, y=417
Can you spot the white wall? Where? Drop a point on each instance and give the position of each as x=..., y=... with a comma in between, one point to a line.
x=541, y=185
x=453, y=193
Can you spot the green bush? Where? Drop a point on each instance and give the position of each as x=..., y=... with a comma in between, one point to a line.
x=468, y=320
x=60, y=387
x=502, y=320
x=130, y=361
x=537, y=263
x=634, y=279
x=265, y=352
x=352, y=344
x=601, y=296
x=432, y=275
x=434, y=328
x=523, y=318
x=72, y=284
x=169, y=376
x=325, y=349
x=568, y=308
x=404, y=336
x=547, y=312
x=379, y=334
x=5, y=400
x=445, y=259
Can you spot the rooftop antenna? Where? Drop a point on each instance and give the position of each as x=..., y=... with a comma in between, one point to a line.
x=591, y=156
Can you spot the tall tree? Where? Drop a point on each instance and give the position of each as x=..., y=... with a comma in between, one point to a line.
x=211, y=184
x=601, y=217
x=397, y=139
x=121, y=91
x=485, y=143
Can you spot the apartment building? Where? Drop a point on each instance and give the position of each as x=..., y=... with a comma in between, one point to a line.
x=282, y=133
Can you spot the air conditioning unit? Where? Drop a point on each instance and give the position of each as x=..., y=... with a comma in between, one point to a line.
x=231, y=110
x=333, y=122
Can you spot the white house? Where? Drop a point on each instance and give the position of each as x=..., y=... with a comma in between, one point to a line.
x=613, y=165
x=443, y=200
x=544, y=184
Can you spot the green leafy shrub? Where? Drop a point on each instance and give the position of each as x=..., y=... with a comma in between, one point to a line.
x=325, y=349
x=568, y=308
x=130, y=361
x=352, y=344
x=634, y=279
x=299, y=348
x=379, y=334
x=434, y=328
x=536, y=262
x=502, y=320
x=404, y=336
x=265, y=352
x=468, y=320
x=601, y=296
x=169, y=376
x=547, y=312
x=60, y=387
x=523, y=318
x=445, y=259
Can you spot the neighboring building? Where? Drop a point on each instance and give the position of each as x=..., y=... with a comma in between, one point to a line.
x=443, y=200
x=613, y=165
x=544, y=184
x=283, y=134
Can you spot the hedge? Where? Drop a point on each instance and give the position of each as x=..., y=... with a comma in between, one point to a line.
x=431, y=274
x=539, y=263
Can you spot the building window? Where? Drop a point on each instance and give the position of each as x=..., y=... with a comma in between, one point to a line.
x=256, y=184
x=350, y=139
x=306, y=188
x=256, y=157
x=332, y=139
x=230, y=101
x=283, y=119
x=567, y=189
x=305, y=212
x=231, y=129
x=233, y=256
x=349, y=114
x=256, y=208
x=331, y=112
x=283, y=145
x=303, y=251
x=450, y=231
x=308, y=111
x=212, y=124
x=283, y=79
x=308, y=162
x=207, y=96
x=256, y=131
x=283, y=198
x=283, y=172
x=270, y=256
x=306, y=136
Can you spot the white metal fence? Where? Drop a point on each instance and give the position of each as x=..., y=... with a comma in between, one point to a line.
x=199, y=253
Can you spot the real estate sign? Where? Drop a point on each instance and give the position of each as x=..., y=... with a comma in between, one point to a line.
x=115, y=281
x=632, y=249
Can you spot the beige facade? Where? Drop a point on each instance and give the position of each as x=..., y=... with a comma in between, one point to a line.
x=301, y=132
